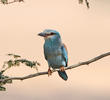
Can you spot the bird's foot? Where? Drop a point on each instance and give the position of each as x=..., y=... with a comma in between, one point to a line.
x=62, y=68
x=49, y=72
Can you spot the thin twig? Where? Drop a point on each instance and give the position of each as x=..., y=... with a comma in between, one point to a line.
x=70, y=67
x=87, y=3
x=10, y=2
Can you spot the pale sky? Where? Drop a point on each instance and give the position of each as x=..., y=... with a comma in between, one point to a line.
x=86, y=34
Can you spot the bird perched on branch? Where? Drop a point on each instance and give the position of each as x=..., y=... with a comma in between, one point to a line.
x=55, y=52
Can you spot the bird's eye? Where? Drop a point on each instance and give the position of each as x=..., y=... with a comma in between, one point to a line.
x=52, y=33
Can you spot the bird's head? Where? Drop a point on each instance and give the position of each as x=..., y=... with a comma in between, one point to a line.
x=49, y=34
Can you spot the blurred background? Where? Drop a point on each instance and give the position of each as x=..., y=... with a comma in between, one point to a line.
x=86, y=34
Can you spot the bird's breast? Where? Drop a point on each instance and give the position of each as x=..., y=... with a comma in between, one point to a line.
x=54, y=56
x=52, y=52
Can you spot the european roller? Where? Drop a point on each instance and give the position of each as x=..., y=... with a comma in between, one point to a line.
x=55, y=52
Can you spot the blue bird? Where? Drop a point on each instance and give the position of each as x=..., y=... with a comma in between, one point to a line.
x=55, y=52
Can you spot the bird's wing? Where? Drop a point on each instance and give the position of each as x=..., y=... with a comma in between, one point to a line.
x=65, y=53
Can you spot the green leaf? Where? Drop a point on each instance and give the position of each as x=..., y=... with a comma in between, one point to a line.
x=80, y=1
x=2, y=88
x=10, y=63
x=10, y=54
x=28, y=63
x=16, y=63
x=4, y=1
x=1, y=73
x=16, y=56
x=9, y=81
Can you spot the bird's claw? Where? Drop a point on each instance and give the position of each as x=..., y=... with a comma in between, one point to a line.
x=49, y=72
x=62, y=68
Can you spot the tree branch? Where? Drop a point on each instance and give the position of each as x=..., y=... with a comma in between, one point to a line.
x=70, y=67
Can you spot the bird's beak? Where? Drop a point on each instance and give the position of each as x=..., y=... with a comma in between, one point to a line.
x=42, y=34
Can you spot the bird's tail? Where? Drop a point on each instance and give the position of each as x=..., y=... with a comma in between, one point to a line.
x=63, y=75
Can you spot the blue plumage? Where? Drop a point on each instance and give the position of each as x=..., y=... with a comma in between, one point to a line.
x=55, y=51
